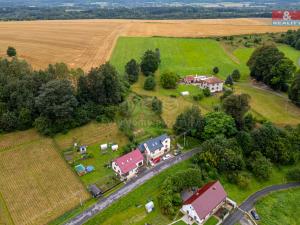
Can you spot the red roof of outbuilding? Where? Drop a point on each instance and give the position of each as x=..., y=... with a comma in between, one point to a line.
x=128, y=162
x=207, y=198
x=189, y=78
x=212, y=80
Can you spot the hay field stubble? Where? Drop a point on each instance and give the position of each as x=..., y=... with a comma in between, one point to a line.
x=36, y=185
x=88, y=43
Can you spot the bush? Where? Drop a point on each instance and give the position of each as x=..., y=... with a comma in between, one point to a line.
x=150, y=83
x=216, y=70
x=236, y=75
x=156, y=105
x=243, y=181
x=198, y=97
x=169, y=80
x=229, y=80
x=127, y=127
x=227, y=92
x=150, y=62
x=206, y=92
x=293, y=175
x=260, y=166
x=11, y=51
x=132, y=69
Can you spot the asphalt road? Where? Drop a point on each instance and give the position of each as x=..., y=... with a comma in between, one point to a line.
x=250, y=202
x=128, y=187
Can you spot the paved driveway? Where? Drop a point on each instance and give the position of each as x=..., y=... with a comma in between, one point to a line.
x=250, y=202
x=128, y=187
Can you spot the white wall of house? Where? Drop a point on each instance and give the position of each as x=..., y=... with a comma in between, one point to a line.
x=189, y=210
x=161, y=151
x=131, y=173
x=212, y=87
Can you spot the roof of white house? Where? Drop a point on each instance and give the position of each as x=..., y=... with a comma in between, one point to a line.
x=128, y=161
x=207, y=198
x=154, y=143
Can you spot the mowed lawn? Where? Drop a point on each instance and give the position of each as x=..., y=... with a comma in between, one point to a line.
x=36, y=185
x=280, y=208
x=181, y=55
x=269, y=105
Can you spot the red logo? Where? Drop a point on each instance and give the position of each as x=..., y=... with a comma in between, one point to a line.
x=286, y=15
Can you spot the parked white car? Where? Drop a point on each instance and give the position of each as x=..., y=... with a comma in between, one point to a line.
x=166, y=157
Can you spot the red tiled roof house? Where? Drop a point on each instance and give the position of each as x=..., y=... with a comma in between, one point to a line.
x=205, y=202
x=212, y=83
x=127, y=165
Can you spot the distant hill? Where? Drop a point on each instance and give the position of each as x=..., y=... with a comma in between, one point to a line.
x=143, y=3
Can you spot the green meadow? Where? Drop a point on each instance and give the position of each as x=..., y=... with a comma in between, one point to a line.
x=280, y=208
x=198, y=56
x=182, y=55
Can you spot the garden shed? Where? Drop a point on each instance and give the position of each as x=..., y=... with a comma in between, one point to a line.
x=95, y=191
x=149, y=207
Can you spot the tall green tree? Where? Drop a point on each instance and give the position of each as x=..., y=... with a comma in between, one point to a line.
x=217, y=123
x=273, y=143
x=280, y=74
x=190, y=121
x=11, y=51
x=294, y=91
x=221, y=153
x=262, y=60
x=132, y=69
x=260, y=166
x=156, y=105
x=169, y=80
x=216, y=70
x=59, y=71
x=237, y=106
x=229, y=80
x=104, y=85
x=83, y=94
x=149, y=63
x=150, y=83
x=56, y=104
x=236, y=75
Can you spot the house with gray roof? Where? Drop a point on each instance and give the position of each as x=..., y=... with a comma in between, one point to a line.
x=155, y=148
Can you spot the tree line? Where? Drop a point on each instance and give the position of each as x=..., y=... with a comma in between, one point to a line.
x=291, y=38
x=269, y=65
x=184, y=12
x=56, y=99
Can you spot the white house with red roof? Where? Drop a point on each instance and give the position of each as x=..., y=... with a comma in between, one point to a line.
x=204, y=202
x=212, y=83
x=127, y=166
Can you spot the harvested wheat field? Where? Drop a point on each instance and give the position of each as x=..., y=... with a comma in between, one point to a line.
x=36, y=185
x=88, y=43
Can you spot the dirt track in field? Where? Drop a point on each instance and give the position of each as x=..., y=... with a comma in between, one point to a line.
x=88, y=43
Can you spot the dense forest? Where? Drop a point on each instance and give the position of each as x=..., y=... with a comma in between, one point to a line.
x=183, y=12
x=56, y=99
